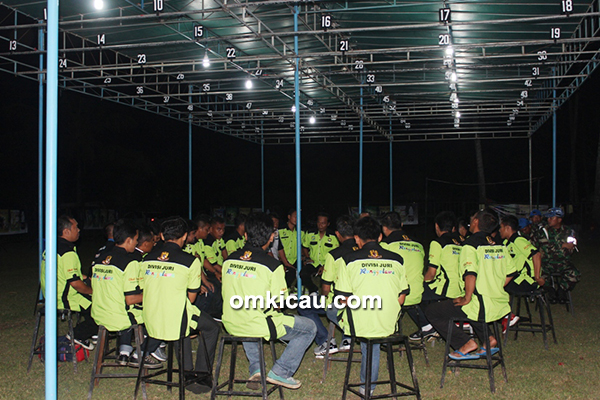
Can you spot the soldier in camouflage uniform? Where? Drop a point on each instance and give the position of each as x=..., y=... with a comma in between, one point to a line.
x=551, y=240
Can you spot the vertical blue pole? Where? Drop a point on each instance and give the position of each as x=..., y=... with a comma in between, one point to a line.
x=554, y=141
x=51, y=195
x=262, y=167
x=190, y=160
x=391, y=170
x=40, y=155
x=297, y=137
x=360, y=156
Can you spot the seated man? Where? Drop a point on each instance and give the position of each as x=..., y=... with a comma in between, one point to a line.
x=116, y=284
x=527, y=259
x=486, y=268
x=345, y=235
x=413, y=254
x=369, y=271
x=73, y=294
x=171, y=284
x=288, y=247
x=556, y=243
x=236, y=239
x=214, y=251
x=442, y=278
x=315, y=246
x=252, y=272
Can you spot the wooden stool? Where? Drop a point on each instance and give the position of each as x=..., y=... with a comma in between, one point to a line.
x=231, y=380
x=526, y=324
x=36, y=349
x=105, y=358
x=492, y=361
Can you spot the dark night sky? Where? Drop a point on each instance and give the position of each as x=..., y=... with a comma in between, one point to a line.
x=133, y=160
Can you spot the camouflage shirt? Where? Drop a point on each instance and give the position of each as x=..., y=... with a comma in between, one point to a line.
x=549, y=241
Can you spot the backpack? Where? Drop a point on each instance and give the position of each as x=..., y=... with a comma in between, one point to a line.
x=64, y=350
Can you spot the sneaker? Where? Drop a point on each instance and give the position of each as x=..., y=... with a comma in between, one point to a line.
x=416, y=336
x=149, y=362
x=289, y=383
x=94, y=340
x=506, y=323
x=160, y=354
x=86, y=344
x=361, y=390
x=345, y=345
x=254, y=381
x=321, y=350
x=123, y=359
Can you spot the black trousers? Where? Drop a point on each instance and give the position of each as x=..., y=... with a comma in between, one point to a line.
x=211, y=302
x=428, y=297
x=306, y=275
x=86, y=327
x=520, y=288
x=210, y=330
x=290, y=276
x=439, y=315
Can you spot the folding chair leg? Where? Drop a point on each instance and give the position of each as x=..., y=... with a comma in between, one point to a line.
x=36, y=331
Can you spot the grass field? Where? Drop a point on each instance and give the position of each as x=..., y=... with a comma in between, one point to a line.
x=569, y=370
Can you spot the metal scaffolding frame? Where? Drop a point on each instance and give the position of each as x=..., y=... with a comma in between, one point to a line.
x=507, y=59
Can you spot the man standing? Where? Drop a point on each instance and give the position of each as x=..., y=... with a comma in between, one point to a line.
x=315, y=246
x=556, y=243
x=252, y=272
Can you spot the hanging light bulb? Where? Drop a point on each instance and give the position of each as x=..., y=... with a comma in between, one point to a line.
x=206, y=60
x=98, y=4
x=449, y=51
x=293, y=109
x=248, y=84
x=312, y=119
x=453, y=77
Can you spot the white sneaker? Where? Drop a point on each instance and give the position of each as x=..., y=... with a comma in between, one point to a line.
x=361, y=390
x=345, y=345
x=321, y=350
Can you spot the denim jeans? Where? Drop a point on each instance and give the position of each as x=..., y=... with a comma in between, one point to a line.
x=299, y=337
x=374, y=364
x=314, y=315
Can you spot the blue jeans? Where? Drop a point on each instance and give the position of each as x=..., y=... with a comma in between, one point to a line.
x=314, y=315
x=299, y=337
x=374, y=364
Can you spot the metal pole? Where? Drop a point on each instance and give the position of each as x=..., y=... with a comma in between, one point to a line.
x=51, y=196
x=262, y=167
x=360, y=156
x=530, y=178
x=40, y=157
x=391, y=170
x=297, y=137
x=554, y=141
x=190, y=160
